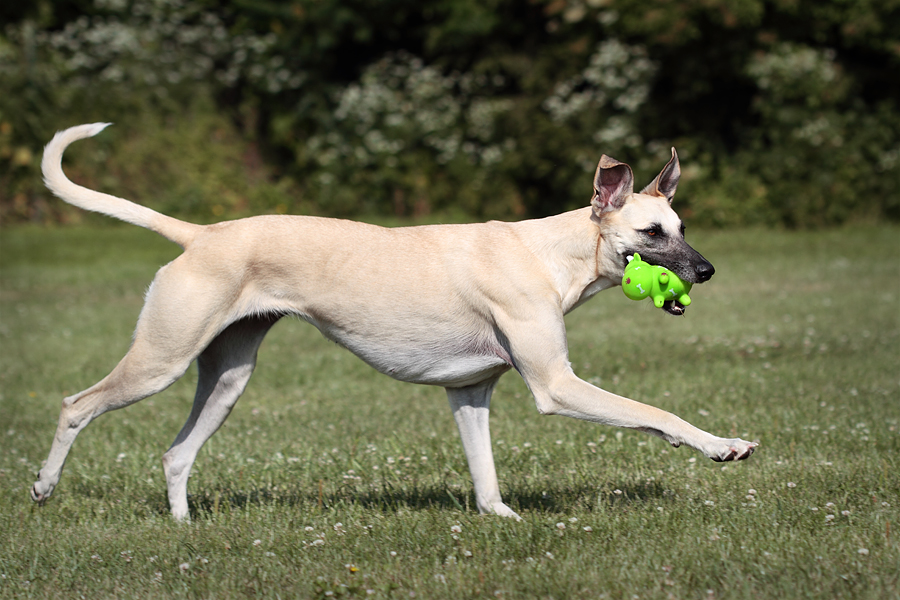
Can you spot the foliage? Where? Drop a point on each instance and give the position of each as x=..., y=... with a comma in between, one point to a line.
x=782, y=112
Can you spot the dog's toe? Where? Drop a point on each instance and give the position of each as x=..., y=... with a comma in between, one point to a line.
x=727, y=457
x=750, y=449
x=502, y=510
x=35, y=496
x=735, y=449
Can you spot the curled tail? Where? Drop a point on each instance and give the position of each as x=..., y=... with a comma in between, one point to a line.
x=180, y=232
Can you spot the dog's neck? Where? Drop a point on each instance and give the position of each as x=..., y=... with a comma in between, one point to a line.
x=570, y=246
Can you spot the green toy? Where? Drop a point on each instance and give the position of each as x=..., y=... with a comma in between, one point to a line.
x=642, y=279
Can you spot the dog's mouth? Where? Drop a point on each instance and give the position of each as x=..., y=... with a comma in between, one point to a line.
x=673, y=307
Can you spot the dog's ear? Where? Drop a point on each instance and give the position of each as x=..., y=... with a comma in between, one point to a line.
x=667, y=181
x=613, y=184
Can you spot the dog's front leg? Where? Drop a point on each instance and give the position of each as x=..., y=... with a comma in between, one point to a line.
x=471, y=407
x=540, y=354
x=570, y=396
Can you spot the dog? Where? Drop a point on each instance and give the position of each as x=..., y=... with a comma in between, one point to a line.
x=447, y=305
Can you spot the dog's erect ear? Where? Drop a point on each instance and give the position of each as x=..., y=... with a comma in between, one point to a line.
x=613, y=183
x=665, y=183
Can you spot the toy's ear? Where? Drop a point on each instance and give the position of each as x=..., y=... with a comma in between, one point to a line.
x=613, y=184
x=667, y=181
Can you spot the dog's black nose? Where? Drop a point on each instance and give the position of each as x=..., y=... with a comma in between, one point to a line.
x=704, y=270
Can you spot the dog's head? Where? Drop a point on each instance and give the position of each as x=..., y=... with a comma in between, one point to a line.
x=643, y=222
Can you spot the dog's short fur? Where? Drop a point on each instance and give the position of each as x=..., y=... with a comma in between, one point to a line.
x=449, y=305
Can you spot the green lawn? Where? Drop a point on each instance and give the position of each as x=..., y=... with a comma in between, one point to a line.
x=330, y=479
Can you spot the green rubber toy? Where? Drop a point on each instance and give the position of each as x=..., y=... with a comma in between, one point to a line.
x=642, y=279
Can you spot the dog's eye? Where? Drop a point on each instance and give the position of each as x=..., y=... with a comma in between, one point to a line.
x=654, y=231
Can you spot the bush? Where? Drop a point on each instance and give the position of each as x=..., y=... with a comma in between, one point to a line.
x=782, y=113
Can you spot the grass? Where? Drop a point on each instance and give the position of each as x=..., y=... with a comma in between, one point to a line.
x=330, y=479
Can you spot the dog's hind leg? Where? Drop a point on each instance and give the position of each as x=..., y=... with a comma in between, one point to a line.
x=178, y=321
x=136, y=377
x=471, y=408
x=225, y=368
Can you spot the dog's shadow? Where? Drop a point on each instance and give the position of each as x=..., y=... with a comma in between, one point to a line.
x=387, y=500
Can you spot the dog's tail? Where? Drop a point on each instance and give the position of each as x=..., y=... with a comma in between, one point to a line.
x=180, y=232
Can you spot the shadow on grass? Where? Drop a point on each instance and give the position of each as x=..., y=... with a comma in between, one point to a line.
x=388, y=499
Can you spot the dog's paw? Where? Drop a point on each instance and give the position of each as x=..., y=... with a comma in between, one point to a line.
x=734, y=449
x=501, y=510
x=40, y=493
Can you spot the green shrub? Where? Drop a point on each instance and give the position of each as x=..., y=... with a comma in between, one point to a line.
x=783, y=113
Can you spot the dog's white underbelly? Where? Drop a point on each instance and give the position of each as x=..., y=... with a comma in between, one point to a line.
x=441, y=360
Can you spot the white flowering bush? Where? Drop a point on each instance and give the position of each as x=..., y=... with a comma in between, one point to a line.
x=152, y=46
x=479, y=109
x=817, y=147
x=152, y=67
x=400, y=127
x=613, y=86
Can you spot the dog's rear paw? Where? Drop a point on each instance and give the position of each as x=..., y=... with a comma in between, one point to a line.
x=502, y=510
x=735, y=449
x=42, y=488
x=38, y=497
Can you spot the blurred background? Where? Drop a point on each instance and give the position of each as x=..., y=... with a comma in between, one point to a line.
x=784, y=112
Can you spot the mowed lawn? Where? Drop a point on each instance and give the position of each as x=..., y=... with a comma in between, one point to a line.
x=331, y=480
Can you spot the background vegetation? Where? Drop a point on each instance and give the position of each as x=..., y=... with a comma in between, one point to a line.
x=784, y=111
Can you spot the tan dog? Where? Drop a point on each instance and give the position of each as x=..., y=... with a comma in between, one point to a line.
x=449, y=305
